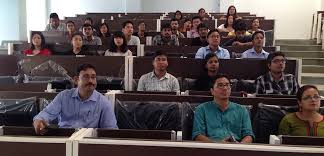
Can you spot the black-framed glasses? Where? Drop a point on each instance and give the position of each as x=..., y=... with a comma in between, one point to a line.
x=223, y=85
x=276, y=61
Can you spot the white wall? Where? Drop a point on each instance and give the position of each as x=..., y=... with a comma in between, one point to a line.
x=293, y=17
x=70, y=8
x=36, y=15
x=183, y=5
x=322, y=4
x=9, y=14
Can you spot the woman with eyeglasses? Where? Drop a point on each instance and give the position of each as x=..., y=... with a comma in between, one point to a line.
x=307, y=121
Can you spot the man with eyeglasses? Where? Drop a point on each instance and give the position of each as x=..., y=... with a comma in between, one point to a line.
x=81, y=107
x=221, y=119
x=276, y=81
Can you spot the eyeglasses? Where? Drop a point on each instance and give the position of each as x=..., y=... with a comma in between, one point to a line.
x=310, y=98
x=223, y=85
x=276, y=61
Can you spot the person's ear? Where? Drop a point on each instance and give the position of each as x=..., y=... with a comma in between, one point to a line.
x=76, y=80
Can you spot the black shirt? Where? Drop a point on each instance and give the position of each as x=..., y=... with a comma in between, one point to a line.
x=245, y=39
x=204, y=83
x=197, y=42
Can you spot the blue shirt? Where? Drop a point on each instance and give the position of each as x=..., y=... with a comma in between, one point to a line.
x=95, y=112
x=210, y=121
x=251, y=53
x=221, y=53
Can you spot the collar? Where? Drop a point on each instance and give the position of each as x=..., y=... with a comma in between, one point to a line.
x=75, y=94
x=230, y=105
x=219, y=48
x=281, y=79
x=254, y=51
x=166, y=76
x=85, y=37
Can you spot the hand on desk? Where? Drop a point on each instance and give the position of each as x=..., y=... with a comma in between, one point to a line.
x=40, y=127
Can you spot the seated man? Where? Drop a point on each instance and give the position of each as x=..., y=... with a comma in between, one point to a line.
x=257, y=50
x=166, y=37
x=88, y=37
x=128, y=30
x=55, y=24
x=242, y=37
x=159, y=79
x=202, y=39
x=221, y=119
x=276, y=81
x=175, y=28
x=213, y=38
x=81, y=107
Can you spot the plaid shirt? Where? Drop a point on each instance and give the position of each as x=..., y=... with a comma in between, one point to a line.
x=149, y=82
x=159, y=40
x=287, y=85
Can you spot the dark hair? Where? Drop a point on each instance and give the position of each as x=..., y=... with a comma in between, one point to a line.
x=178, y=11
x=127, y=22
x=113, y=46
x=229, y=9
x=218, y=76
x=226, y=21
x=211, y=31
x=207, y=57
x=76, y=34
x=141, y=22
x=196, y=17
x=87, y=25
x=302, y=89
x=240, y=25
x=108, y=30
x=202, y=25
x=273, y=55
x=43, y=43
x=89, y=19
x=174, y=19
x=257, y=32
x=84, y=67
x=159, y=53
x=54, y=15
x=201, y=9
x=166, y=26
x=186, y=20
x=70, y=22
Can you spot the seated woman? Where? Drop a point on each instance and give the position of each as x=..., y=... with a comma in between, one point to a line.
x=186, y=26
x=70, y=26
x=228, y=26
x=77, y=46
x=205, y=81
x=118, y=46
x=178, y=15
x=255, y=26
x=231, y=11
x=307, y=121
x=38, y=45
x=104, y=31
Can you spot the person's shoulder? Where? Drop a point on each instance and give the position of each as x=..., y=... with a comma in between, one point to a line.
x=202, y=48
x=147, y=75
x=204, y=105
x=171, y=76
x=289, y=117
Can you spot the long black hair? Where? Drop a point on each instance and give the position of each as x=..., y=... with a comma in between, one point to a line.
x=113, y=46
x=226, y=22
x=232, y=6
x=108, y=34
x=43, y=43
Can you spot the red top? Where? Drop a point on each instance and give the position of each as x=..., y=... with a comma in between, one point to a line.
x=43, y=52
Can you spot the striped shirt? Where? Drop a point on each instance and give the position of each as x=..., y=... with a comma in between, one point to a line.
x=149, y=82
x=287, y=85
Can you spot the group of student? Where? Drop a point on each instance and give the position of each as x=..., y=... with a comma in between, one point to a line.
x=217, y=120
x=209, y=40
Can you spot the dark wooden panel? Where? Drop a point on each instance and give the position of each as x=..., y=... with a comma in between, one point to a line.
x=126, y=150
x=32, y=149
x=135, y=134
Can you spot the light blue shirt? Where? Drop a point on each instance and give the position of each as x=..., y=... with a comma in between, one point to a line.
x=95, y=112
x=251, y=53
x=212, y=122
x=221, y=53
